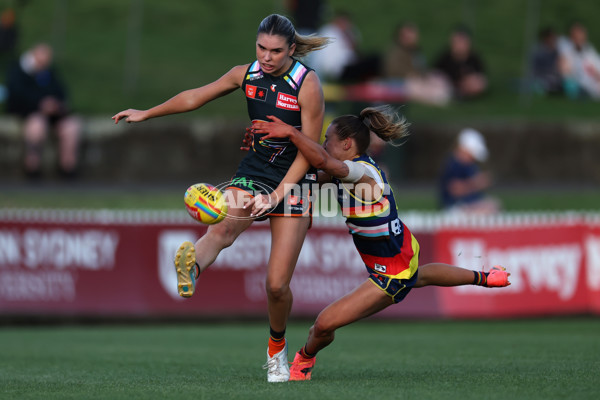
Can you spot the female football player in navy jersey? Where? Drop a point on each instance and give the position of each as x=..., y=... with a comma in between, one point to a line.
x=275, y=84
x=388, y=249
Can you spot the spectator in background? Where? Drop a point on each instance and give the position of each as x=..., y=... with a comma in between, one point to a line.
x=544, y=66
x=36, y=95
x=462, y=182
x=405, y=57
x=579, y=64
x=404, y=64
x=341, y=61
x=463, y=66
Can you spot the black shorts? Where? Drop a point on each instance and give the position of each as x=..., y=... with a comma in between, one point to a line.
x=397, y=289
x=297, y=203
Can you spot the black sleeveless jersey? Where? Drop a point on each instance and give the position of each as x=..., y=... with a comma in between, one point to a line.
x=272, y=95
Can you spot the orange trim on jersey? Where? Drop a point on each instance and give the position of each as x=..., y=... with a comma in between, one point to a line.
x=366, y=210
x=240, y=189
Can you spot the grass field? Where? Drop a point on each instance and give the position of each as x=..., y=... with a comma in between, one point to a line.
x=520, y=359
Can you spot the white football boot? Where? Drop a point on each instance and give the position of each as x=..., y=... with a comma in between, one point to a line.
x=278, y=368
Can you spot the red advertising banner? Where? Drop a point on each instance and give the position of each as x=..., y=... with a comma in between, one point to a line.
x=591, y=241
x=120, y=264
x=546, y=263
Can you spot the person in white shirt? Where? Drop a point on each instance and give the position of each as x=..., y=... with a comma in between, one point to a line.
x=329, y=63
x=579, y=64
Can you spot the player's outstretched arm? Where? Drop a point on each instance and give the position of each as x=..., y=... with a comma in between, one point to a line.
x=316, y=155
x=188, y=100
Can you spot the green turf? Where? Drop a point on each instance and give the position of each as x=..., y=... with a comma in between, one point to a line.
x=524, y=359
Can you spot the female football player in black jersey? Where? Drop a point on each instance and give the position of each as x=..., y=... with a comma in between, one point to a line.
x=275, y=84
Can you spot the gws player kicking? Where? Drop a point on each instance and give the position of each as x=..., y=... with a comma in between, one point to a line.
x=388, y=249
x=275, y=84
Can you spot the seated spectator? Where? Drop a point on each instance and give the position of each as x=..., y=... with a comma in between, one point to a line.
x=579, y=64
x=37, y=96
x=341, y=61
x=405, y=58
x=544, y=66
x=405, y=64
x=463, y=66
x=462, y=182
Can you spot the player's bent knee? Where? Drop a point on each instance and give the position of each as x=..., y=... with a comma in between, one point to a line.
x=323, y=327
x=222, y=234
x=277, y=291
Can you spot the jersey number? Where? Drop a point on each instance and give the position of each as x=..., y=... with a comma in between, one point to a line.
x=396, y=227
x=277, y=150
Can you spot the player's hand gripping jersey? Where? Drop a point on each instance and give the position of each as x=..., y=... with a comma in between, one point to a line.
x=385, y=244
x=269, y=160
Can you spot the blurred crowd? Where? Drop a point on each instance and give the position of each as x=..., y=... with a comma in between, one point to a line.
x=559, y=63
x=566, y=64
x=33, y=92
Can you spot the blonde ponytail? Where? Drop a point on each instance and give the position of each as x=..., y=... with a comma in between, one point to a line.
x=385, y=122
x=307, y=43
x=382, y=120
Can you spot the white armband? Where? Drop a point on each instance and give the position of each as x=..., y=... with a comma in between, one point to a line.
x=355, y=172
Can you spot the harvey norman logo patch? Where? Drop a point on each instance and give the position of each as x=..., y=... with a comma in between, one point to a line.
x=256, y=92
x=287, y=102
